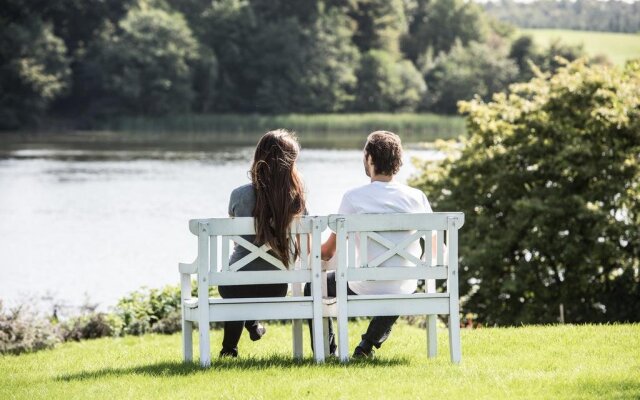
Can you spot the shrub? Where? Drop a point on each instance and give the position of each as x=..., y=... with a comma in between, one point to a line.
x=21, y=330
x=141, y=310
x=91, y=326
x=549, y=181
x=171, y=323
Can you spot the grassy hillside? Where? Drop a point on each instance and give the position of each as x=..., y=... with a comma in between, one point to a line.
x=526, y=362
x=619, y=47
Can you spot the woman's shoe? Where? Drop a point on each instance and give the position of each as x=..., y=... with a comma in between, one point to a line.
x=233, y=353
x=257, y=331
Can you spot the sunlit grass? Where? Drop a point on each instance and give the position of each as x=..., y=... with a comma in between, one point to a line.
x=527, y=362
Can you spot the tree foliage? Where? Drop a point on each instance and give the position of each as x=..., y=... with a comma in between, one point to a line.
x=436, y=25
x=379, y=24
x=83, y=60
x=34, y=68
x=147, y=62
x=388, y=84
x=549, y=180
x=477, y=69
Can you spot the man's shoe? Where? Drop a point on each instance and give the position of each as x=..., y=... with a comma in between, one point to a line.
x=364, y=350
x=233, y=353
x=257, y=332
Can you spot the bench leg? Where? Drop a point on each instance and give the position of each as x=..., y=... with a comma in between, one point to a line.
x=187, y=340
x=205, y=343
x=343, y=331
x=297, y=339
x=318, y=338
x=432, y=336
x=454, y=338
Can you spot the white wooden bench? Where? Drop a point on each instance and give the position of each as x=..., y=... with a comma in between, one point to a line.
x=212, y=268
x=368, y=227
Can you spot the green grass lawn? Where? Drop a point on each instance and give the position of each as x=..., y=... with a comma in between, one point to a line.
x=576, y=362
x=619, y=47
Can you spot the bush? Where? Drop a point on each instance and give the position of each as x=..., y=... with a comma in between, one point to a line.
x=141, y=310
x=171, y=323
x=549, y=181
x=91, y=326
x=23, y=331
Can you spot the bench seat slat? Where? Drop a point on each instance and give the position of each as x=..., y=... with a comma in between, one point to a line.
x=396, y=273
x=360, y=306
x=267, y=308
x=259, y=277
x=193, y=303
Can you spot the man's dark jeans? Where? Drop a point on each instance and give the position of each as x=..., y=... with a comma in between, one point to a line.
x=379, y=327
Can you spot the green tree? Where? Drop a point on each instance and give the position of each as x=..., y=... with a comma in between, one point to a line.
x=34, y=69
x=380, y=23
x=528, y=56
x=523, y=51
x=387, y=84
x=436, y=25
x=147, y=62
x=477, y=69
x=549, y=181
x=307, y=69
x=228, y=28
x=548, y=60
x=80, y=23
x=329, y=78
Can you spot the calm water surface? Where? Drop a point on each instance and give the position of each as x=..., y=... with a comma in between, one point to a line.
x=76, y=223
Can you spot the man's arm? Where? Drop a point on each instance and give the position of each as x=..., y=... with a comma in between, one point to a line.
x=328, y=248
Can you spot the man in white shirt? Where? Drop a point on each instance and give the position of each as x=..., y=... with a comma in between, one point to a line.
x=382, y=161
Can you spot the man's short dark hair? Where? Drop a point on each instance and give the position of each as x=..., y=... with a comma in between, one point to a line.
x=385, y=149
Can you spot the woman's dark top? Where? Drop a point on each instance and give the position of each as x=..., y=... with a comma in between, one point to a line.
x=241, y=204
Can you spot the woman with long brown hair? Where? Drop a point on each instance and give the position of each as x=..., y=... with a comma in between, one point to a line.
x=274, y=198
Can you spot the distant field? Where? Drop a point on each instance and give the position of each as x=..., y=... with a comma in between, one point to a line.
x=619, y=47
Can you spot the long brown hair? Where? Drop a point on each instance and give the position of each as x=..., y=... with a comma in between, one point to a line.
x=279, y=191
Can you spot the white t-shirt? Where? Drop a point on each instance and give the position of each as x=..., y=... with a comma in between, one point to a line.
x=384, y=198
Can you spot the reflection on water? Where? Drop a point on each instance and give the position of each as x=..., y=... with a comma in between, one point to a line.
x=109, y=222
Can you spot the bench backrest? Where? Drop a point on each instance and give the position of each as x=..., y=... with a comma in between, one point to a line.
x=355, y=234
x=215, y=236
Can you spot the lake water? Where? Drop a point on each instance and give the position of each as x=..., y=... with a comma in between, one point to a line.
x=102, y=223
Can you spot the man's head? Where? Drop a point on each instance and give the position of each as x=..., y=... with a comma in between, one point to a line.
x=382, y=154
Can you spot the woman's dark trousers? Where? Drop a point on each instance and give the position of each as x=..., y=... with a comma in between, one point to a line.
x=233, y=329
